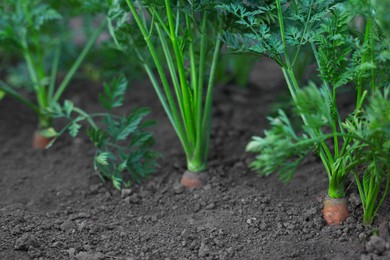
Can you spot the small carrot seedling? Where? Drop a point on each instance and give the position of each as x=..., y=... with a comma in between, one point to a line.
x=124, y=153
x=35, y=29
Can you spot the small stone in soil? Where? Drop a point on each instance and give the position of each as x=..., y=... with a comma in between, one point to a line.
x=362, y=236
x=178, y=188
x=71, y=252
x=126, y=192
x=203, y=250
x=196, y=207
x=210, y=206
x=68, y=225
x=207, y=187
x=26, y=241
x=376, y=244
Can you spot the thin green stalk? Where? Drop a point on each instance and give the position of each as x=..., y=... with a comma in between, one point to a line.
x=334, y=122
x=177, y=26
x=35, y=38
x=360, y=188
x=173, y=110
x=189, y=120
x=167, y=110
x=209, y=96
x=198, y=97
x=54, y=70
x=79, y=61
x=9, y=91
x=282, y=32
x=193, y=68
x=85, y=115
x=384, y=194
x=160, y=20
x=30, y=64
x=353, y=165
x=289, y=84
x=35, y=69
x=171, y=68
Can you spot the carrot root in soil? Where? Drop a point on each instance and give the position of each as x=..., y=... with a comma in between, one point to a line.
x=40, y=141
x=335, y=210
x=192, y=180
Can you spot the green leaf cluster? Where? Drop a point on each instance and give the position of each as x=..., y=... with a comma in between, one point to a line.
x=351, y=53
x=281, y=150
x=124, y=153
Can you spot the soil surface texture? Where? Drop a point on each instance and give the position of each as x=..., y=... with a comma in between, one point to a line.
x=53, y=205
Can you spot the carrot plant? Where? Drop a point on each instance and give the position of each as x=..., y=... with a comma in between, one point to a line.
x=124, y=153
x=35, y=29
x=182, y=45
x=344, y=57
x=372, y=148
x=371, y=126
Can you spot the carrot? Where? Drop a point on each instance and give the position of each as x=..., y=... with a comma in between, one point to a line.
x=335, y=210
x=40, y=141
x=192, y=180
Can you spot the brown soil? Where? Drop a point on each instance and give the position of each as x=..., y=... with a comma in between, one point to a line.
x=53, y=206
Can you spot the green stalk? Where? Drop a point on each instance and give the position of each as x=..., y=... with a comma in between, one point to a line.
x=172, y=111
x=336, y=187
x=30, y=66
x=199, y=87
x=282, y=32
x=35, y=68
x=9, y=91
x=86, y=116
x=189, y=120
x=54, y=70
x=194, y=82
x=206, y=124
x=384, y=196
x=171, y=68
x=78, y=62
x=360, y=189
x=198, y=162
x=167, y=110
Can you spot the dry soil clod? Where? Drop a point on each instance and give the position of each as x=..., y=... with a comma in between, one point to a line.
x=335, y=210
x=192, y=180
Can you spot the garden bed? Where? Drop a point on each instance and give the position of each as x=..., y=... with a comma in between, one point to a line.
x=53, y=205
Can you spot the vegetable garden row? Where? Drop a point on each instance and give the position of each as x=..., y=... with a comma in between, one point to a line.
x=186, y=48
